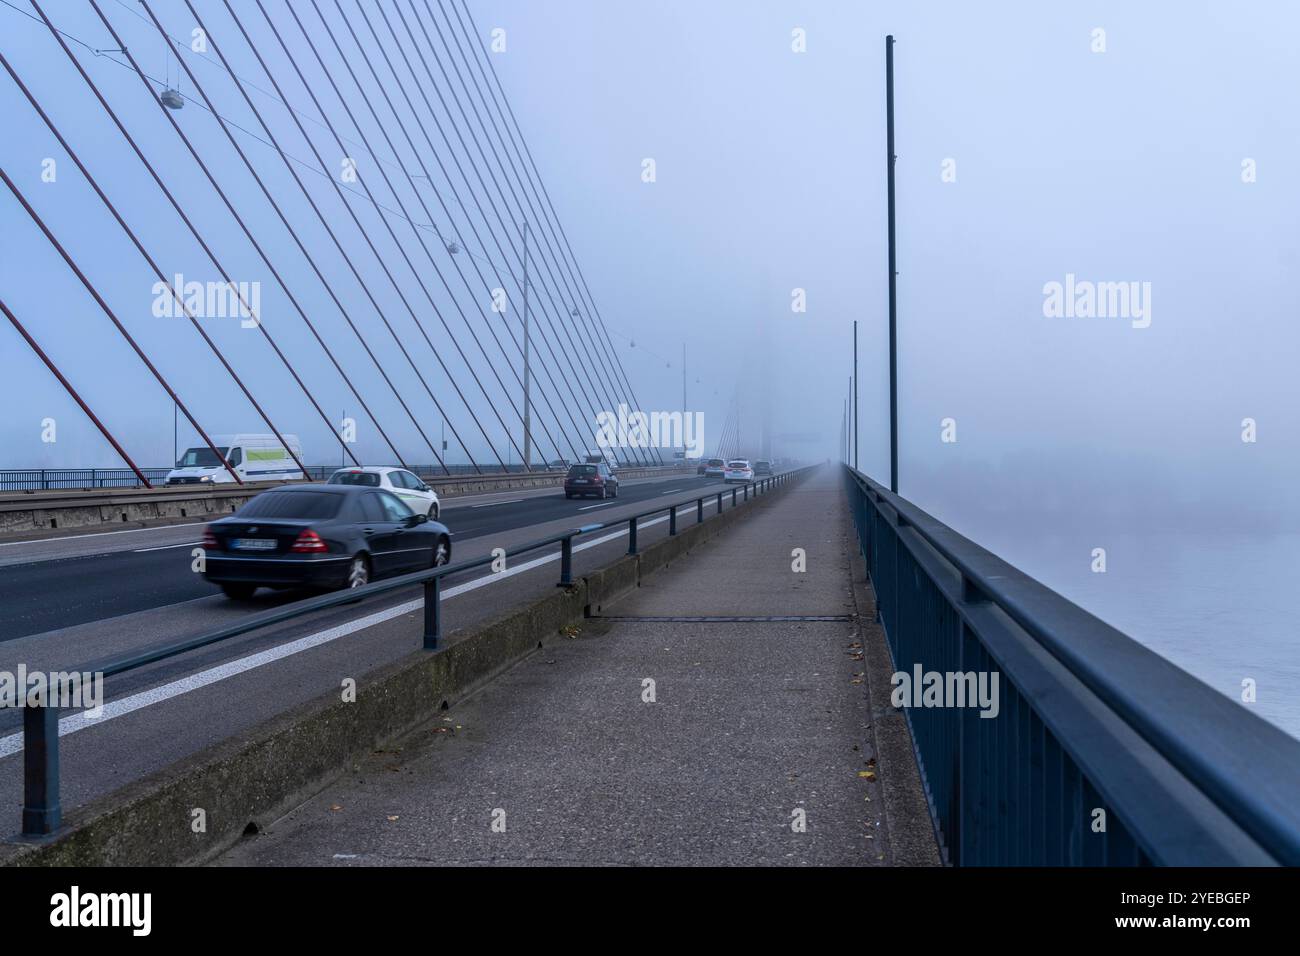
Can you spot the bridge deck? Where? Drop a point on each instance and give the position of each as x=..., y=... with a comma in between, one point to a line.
x=752, y=721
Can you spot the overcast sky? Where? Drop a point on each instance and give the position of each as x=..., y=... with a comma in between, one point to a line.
x=1031, y=147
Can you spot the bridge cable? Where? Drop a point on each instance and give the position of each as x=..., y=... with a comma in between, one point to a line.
x=593, y=361
x=389, y=184
x=206, y=248
x=113, y=317
x=596, y=319
x=49, y=363
x=590, y=367
x=307, y=255
x=451, y=151
x=442, y=166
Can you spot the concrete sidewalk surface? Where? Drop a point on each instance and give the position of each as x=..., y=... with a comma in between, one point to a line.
x=720, y=715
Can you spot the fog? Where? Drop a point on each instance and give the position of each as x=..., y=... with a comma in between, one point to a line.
x=1026, y=156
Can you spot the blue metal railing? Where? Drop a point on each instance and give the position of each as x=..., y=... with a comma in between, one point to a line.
x=42, y=813
x=1101, y=753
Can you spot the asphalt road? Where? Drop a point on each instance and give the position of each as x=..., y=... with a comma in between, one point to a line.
x=83, y=583
x=73, y=600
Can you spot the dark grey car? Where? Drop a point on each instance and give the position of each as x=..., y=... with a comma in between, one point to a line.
x=323, y=536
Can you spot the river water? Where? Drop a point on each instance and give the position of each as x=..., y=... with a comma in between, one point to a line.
x=1219, y=604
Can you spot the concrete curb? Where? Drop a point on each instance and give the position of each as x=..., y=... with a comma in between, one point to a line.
x=250, y=780
x=912, y=840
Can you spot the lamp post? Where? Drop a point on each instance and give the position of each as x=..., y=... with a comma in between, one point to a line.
x=528, y=434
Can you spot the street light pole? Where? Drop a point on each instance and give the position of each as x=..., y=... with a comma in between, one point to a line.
x=683, y=402
x=855, y=394
x=893, y=269
x=528, y=434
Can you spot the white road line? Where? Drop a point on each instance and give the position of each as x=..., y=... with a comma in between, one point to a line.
x=673, y=492
x=156, y=695
x=493, y=504
x=97, y=534
x=603, y=505
x=167, y=547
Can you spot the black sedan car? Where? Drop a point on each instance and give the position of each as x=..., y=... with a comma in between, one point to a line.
x=320, y=536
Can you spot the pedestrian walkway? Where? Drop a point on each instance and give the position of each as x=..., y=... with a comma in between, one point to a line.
x=718, y=716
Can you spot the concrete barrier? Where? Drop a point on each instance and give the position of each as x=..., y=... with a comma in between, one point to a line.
x=54, y=511
x=254, y=778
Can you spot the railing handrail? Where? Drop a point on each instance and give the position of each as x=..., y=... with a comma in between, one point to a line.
x=1212, y=741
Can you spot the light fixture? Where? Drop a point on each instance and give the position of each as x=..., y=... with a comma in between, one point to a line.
x=171, y=99
x=453, y=247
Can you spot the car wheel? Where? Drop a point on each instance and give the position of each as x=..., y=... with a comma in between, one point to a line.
x=441, y=552
x=358, y=572
x=238, y=592
x=602, y=494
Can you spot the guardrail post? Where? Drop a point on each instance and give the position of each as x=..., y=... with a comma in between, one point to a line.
x=733, y=497
x=432, y=613
x=566, y=561
x=631, y=535
x=672, y=520
x=719, y=502
x=746, y=492
x=699, y=510
x=42, y=812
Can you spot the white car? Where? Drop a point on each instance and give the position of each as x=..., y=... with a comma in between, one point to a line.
x=417, y=496
x=738, y=470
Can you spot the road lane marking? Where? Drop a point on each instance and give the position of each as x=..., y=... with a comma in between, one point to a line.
x=13, y=743
x=673, y=492
x=602, y=505
x=97, y=534
x=493, y=504
x=167, y=547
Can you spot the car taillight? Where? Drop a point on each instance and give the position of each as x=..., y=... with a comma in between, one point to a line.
x=210, y=541
x=597, y=480
x=309, y=542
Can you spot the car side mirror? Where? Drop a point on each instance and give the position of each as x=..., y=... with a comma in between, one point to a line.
x=413, y=520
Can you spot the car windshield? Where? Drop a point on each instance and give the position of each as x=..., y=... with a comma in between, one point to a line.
x=201, y=458
x=582, y=470
x=366, y=478
x=715, y=463
x=739, y=464
x=313, y=505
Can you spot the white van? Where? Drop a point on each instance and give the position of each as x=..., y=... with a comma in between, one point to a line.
x=254, y=458
x=600, y=457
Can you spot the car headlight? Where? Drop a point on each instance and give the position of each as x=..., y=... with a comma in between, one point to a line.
x=206, y=478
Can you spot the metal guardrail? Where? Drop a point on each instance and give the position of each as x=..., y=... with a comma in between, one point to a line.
x=42, y=812
x=62, y=479
x=1101, y=753
x=59, y=479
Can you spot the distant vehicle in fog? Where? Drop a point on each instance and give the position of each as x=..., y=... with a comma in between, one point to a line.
x=738, y=469
x=253, y=458
x=591, y=479
x=762, y=467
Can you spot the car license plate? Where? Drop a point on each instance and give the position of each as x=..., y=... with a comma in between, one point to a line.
x=254, y=544
x=579, y=481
